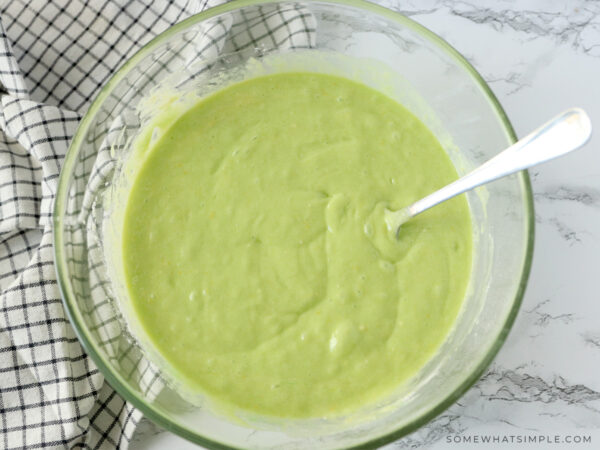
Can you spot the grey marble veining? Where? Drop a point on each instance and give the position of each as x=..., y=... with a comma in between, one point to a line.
x=574, y=22
x=539, y=57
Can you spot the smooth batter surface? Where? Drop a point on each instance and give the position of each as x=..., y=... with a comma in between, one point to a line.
x=256, y=254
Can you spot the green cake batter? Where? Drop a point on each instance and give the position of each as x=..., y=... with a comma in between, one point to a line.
x=256, y=254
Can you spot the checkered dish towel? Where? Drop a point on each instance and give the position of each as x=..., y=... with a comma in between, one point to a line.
x=54, y=57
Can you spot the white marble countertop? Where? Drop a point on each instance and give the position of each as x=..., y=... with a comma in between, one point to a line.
x=540, y=57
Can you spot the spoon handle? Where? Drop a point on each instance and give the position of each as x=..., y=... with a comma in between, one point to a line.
x=566, y=132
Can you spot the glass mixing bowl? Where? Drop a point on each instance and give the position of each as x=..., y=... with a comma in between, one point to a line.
x=353, y=38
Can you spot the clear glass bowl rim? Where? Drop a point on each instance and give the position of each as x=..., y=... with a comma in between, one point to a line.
x=115, y=379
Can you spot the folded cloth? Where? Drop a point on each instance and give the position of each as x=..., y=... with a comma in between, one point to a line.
x=54, y=57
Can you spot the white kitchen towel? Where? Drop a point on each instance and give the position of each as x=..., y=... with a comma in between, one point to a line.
x=54, y=57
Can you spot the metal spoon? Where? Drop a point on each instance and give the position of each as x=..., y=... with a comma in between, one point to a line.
x=566, y=132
